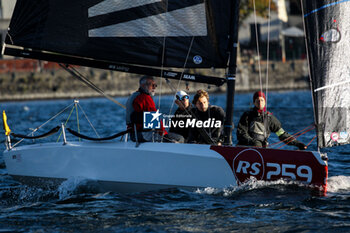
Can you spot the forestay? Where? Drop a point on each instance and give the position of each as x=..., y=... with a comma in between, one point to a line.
x=126, y=32
x=328, y=39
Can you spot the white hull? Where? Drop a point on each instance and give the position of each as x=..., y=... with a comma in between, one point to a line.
x=123, y=167
x=120, y=166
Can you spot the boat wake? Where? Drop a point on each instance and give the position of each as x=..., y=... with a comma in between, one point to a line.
x=338, y=184
x=335, y=184
x=254, y=184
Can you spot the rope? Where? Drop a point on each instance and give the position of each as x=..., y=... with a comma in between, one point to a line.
x=52, y=131
x=311, y=140
x=81, y=78
x=98, y=139
x=293, y=135
x=37, y=128
x=291, y=138
x=10, y=36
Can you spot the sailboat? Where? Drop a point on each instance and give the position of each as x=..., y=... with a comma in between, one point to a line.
x=148, y=37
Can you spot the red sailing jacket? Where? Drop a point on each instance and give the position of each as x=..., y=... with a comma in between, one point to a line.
x=144, y=103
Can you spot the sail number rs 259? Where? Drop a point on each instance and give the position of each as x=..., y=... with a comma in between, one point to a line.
x=275, y=170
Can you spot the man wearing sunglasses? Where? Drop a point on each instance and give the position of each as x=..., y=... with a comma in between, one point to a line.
x=183, y=113
x=139, y=102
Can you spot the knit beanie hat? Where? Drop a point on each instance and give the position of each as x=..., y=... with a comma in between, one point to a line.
x=258, y=94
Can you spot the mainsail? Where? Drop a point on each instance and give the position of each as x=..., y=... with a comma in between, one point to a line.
x=328, y=39
x=113, y=34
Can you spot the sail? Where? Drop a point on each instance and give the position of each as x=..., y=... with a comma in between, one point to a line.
x=327, y=26
x=168, y=33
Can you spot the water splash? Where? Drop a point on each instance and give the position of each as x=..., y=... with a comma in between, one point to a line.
x=338, y=183
x=251, y=184
x=76, y=185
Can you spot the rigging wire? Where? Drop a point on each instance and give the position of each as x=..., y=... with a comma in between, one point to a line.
x=291, y=139
x=65, y=124
x=311, y=140
x=294, y=136
x=268, y=53
x=76, y=105
x=10, y=36
x=89, y=121
x=259, y=62
x=183, y=71
x=37, y=128
x=178, y=84
x=309, y=71
x=83, y=79
x=76, y=111
x=257, y=45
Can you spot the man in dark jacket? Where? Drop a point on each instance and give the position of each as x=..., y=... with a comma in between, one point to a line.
x=210, y=120
x=255, y=126
x=182, y=114
x=140, y=102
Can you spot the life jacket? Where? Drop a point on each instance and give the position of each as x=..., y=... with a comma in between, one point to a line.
x=259, y=125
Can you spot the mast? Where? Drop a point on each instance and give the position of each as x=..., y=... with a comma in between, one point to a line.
x=231, y=74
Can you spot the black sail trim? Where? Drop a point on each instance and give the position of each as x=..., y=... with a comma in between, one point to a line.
x=81, y=61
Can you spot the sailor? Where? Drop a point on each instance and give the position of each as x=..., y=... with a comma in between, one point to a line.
x=182, y=114
x=255, y=126
x=209, y=121
x=139, y=102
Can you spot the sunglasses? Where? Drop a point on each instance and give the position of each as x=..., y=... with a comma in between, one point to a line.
x=153, y=85
x=183, y=98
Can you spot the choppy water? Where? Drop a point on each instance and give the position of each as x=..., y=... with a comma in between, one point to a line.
x=76, y=206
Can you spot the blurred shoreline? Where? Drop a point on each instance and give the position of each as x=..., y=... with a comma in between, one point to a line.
x=56, y=83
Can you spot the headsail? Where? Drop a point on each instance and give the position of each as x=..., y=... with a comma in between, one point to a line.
x=197, y=32
x=328, y=39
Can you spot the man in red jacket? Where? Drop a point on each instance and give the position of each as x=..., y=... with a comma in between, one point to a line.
x=139, y=102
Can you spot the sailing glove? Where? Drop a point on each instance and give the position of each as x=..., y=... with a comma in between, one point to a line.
x=300, y=145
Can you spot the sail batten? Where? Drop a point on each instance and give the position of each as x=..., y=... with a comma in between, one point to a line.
x=328, y=41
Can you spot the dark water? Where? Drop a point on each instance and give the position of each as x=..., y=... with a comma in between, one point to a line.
x=258, y=206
